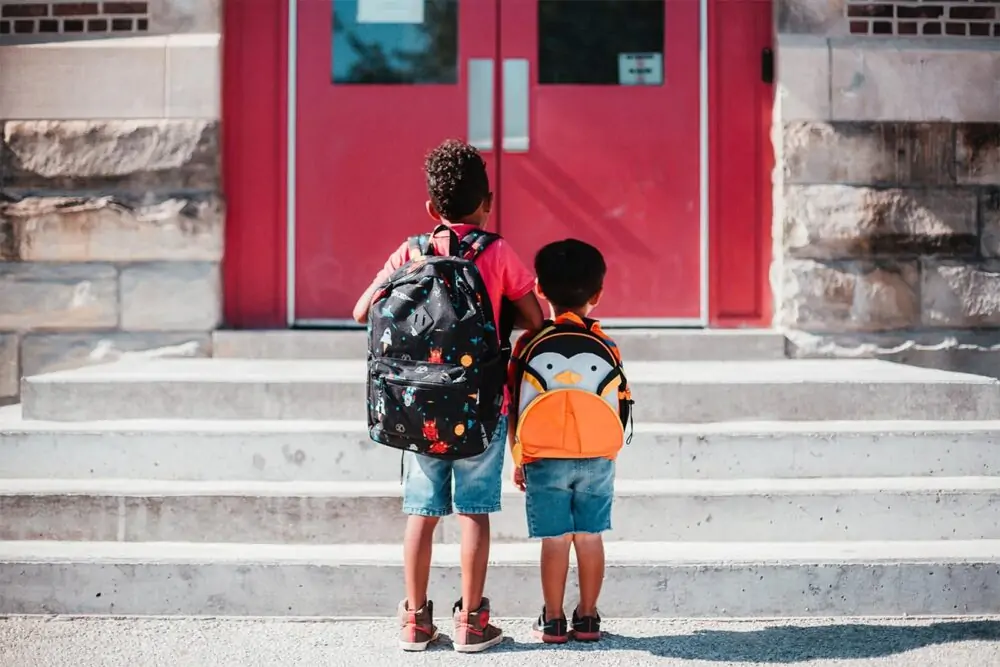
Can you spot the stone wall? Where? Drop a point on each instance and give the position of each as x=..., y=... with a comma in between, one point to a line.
x=887, y=190
x=111, y=214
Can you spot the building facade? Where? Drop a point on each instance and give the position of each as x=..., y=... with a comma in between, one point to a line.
x=830, y=168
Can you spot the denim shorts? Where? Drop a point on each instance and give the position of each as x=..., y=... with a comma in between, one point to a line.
x=566, y=496
x=432, y=487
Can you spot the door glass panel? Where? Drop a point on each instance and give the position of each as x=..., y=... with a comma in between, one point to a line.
x=370, y=51
x=609, y=42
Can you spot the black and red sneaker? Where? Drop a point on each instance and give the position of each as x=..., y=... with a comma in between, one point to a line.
x=552, y=631
x=587, y=628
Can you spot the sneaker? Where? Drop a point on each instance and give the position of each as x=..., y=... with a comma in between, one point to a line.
x=586, y=628
x=552, y=631
x=473, y=632
x=417, y=628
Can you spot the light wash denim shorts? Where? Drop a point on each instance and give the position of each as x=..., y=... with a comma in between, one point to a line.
x=432, y=487
x=566, y=496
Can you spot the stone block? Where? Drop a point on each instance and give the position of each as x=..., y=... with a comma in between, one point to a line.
x=47, y=353
x=977, y=148
x=185, y=16
x=915, y=80
x=94, y=78
x=194, y=78
x=171, y=296
x=10, y=375
x=868, y=153
x=960, y=295
x=989, y=210
x=132, y=155
x=114, y=229
x=803, y=78
x=812, y=17
x=976, y=352
x=849, y=296
x=58, y=296
x=843, y=221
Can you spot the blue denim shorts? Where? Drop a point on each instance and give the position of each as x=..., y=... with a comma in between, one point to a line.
x=566, y=496
x=432, y=487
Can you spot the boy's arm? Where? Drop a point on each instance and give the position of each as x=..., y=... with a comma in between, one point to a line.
x=513, y=410
x=396, y=260
x=529, y=312
x=365, y=302
x=519, y=288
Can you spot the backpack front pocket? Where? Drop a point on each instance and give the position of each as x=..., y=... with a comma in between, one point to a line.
x=427, y=408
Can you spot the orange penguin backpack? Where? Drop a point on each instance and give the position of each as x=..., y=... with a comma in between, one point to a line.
x=572, y=395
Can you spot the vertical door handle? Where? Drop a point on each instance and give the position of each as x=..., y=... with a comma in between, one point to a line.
x=481, y=103
x=767, y=66
x=515, y=105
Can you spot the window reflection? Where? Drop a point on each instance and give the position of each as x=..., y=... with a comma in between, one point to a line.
x=396, y=53
x=580, y=41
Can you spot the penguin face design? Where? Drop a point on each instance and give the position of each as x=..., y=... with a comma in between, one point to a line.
x=569, y=368
x=581, y=371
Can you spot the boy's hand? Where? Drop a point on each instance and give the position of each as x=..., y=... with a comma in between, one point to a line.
x=519, y=477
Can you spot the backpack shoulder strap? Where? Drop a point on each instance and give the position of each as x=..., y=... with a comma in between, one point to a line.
x=419, y=245
x=475, y=242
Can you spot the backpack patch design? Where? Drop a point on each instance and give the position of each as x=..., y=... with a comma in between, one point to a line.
x=435, y=366
x=572, y=394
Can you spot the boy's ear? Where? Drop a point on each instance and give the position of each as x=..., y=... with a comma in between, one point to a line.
x=488, y=203
x=538, y=291
x=596, y=299
x=432, y=211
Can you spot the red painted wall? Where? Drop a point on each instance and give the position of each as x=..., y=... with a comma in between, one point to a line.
x=741, y=160
x=254, y=52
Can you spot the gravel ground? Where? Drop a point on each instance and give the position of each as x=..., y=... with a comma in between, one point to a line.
x=131, y=642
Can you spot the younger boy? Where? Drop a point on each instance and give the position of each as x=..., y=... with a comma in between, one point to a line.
x=570, y=487
x=459, y=198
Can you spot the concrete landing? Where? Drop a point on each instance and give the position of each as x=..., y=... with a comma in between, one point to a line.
x=691, y=392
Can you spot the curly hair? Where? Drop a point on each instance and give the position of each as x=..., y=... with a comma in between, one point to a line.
x=457, y=183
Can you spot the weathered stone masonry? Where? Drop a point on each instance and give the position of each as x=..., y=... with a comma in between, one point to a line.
x=111, y=228
x=887, y=191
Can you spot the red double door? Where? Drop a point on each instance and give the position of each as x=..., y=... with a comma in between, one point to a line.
x=587, y=112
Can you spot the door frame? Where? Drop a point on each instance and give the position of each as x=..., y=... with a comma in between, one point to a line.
x=260, y=49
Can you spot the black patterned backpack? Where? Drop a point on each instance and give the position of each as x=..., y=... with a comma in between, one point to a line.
x=436, y=368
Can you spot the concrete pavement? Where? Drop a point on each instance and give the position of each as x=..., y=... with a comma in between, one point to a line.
x=107, y=642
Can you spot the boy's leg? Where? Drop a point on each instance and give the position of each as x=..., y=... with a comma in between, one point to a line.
x=590, y=566
x=592, y=501
x=548, y=503
x=418, y=544
x=555, y=569
x=426, y=498
x=478, y=483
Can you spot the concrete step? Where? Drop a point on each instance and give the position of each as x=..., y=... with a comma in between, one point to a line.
x=636, y=344
x=774, y=580
x=691, y=392
x=286, y=450
x=792, y=510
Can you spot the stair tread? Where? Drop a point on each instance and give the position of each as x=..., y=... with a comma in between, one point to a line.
x=623, y=487
x=754, y=372
x=618, y=553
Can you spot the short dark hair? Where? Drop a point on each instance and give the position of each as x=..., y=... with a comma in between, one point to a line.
x=457, y=183
x=570, y=273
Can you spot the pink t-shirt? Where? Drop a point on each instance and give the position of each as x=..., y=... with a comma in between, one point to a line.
x=503, y=272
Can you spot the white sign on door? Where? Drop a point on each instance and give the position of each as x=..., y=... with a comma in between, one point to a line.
x=640, y=69
x=390, y=11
